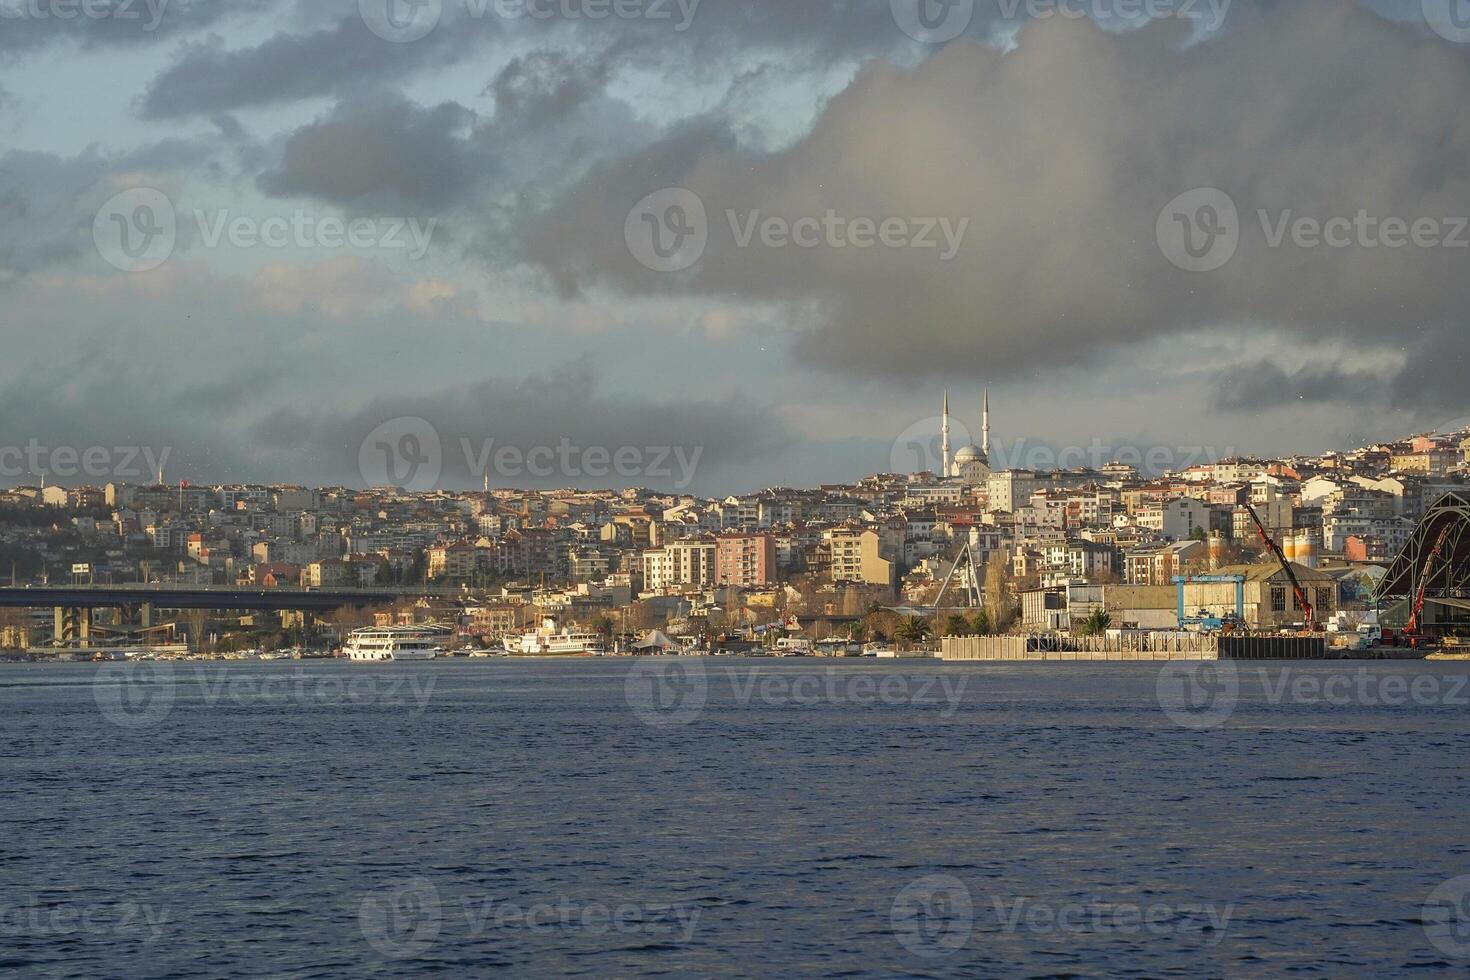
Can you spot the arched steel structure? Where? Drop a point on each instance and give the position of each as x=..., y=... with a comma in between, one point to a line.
x=1434, y=566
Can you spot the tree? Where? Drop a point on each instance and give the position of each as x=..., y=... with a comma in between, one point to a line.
x=1097, y=623
x=881, y=624
x=982, y=623
x=914, y=629
x=1000, y=595
x=956, y=625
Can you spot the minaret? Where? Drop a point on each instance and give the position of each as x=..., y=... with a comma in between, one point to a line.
x=985, y=428
x=944, y=436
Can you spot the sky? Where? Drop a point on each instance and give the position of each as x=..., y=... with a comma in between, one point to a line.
x=717, y=246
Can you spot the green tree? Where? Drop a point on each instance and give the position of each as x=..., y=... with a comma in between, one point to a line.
x=956, y=625
x=914, y=629
x=982, y=623
x=1097, y=623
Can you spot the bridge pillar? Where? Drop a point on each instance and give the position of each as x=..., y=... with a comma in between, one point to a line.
x=139, y=615
x=72, y=626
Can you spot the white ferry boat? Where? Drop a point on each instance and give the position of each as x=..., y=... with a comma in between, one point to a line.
x=377, y=644
x=550, y=641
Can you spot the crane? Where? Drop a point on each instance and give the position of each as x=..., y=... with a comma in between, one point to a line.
x=1296, y=586
x=1418, y=609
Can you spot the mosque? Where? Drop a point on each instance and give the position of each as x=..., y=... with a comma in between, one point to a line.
x=971, y=465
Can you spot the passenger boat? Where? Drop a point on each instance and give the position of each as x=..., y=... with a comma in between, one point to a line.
x=551, y=641
x=381, y=643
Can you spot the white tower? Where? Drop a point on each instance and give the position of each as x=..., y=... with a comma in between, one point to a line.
x=944, y=437
x=985, y=428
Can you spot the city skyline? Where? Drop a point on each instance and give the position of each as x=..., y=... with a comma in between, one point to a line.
x=361, y=228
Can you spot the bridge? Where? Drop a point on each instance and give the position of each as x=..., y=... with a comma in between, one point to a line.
x=73, y=605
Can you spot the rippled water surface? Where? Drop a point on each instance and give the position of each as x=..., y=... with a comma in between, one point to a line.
x=730, y=818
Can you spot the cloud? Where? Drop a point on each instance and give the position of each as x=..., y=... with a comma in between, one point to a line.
x=397, y=154
x=1262, y=385
x=32, y=25
x=564, y=407
x=719, y=39
x=208, y=77
x=1062, y=154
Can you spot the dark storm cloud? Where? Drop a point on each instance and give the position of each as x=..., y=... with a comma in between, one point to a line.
x=1062, y=155
x=211, y=77
x=540, y=88
x=1263, y=386
x=333, y=60
x=568, y=404
x=552, y=118
x=399, y=152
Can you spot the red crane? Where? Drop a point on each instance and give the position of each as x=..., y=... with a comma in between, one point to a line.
x=1418, y=610
x=1301, y=594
